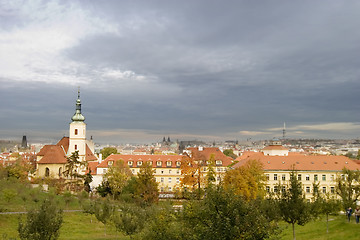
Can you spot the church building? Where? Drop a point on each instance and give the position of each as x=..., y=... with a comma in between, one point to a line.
x=51, y=159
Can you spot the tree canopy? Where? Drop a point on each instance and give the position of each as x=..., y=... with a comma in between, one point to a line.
x=107, y=151
x=247, y=180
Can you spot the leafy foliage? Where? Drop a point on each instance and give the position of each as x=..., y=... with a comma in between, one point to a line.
x=247, y=180
x=147, y=187
x=43, y=223
x=107, y=151
x=192, y=174
x=348, y=187
x=129, y=219
x=230, y=153
x=225, y=215
x=292, y=204
x=103, y=211
x=117, y=177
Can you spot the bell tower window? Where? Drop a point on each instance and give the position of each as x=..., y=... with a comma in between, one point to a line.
x=76, y=132
x=75, y=147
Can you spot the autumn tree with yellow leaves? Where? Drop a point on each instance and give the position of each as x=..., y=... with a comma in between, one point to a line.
x=247, y=180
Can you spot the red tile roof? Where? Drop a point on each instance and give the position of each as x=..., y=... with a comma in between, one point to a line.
x=89, y=156
x=92, y=166
x=300, y=162
x=64, y=142
x=205, y=154
x=52, y=154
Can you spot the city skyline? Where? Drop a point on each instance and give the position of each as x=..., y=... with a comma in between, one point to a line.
x=200, y=70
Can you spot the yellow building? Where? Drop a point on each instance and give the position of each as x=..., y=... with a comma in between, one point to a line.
x=166, y=167
x=278, y=164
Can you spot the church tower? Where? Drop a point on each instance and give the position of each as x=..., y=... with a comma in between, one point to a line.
x=77, y=134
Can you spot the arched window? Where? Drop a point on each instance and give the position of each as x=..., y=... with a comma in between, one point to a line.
x=47, y=172
x=76, y=132
x=60, y=171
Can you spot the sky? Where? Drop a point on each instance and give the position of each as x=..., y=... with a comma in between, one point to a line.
x=192, y=70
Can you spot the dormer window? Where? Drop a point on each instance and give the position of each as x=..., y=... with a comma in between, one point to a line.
x=130, y=163
x=159, y=163
x=178, y=163
x=168, y=163
x=110, y=163
x=218, y=162
x=139, y=163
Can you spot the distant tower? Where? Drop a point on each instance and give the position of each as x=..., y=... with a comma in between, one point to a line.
x=284, y=131
x=168, y=139
x=24, y=142
x=77, y=140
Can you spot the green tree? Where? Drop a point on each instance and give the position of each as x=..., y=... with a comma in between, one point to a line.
x=147, y=187
x=328, y=205
x=230, y=153
x=88, y=207
x=103, y=211
x=72, y=168
x=225, y=215
x=129, y=219
x=163, y=222
x=210, y=175
x=43, y=223
x=348, y=187
x=117, y=177
x=87, y=180
x=107, y=151
x=247, y=180
x=19, y=169
x=293, y=206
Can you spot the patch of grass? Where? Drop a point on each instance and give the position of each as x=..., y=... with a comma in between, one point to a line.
x=76, y=225
x=339, y=228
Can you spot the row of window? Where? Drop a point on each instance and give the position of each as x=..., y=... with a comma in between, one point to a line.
x=307, y=189
x=162, y=180
x=158, y=163
x=177, y=180
x=276, y=177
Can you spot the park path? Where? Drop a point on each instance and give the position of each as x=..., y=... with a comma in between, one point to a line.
x=4, y=213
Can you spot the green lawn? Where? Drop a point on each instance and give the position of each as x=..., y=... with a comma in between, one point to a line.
x=339, y=228
x=76, y=225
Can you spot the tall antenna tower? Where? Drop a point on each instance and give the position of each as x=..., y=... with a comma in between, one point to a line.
x=284, y=131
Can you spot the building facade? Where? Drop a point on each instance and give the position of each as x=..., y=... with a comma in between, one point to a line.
x=316, y=172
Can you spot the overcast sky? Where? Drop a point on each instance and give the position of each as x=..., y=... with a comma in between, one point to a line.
x=205, y=70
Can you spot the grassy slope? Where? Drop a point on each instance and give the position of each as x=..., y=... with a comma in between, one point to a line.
x=78, y=226
x=75, y=226
x=339, y=228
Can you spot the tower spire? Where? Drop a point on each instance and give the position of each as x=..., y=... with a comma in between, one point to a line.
x=78, y=117
x=284, y=131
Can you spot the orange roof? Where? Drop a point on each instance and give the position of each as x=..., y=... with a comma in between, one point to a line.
x=64, y=142
x=52, y=154
x=92, y=166
x=89, y=156
x=300, y=162
x=206, y=153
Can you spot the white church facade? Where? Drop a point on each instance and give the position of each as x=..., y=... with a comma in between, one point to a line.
x=51, y=159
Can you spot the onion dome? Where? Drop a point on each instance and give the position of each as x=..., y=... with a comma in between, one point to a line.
x=78, y=117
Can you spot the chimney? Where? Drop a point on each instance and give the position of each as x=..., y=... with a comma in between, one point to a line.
x=100, y=157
